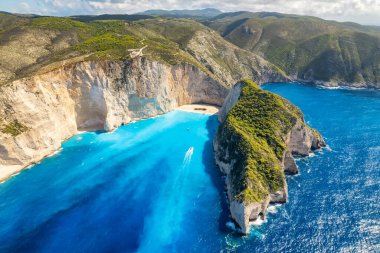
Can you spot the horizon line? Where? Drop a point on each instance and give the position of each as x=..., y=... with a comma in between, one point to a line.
x=222, y=12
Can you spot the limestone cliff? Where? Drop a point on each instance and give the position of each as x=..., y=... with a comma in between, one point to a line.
x=259, y=134
x=39, y=112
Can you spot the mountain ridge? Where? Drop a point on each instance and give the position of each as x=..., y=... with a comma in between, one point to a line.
x=302, y=48
x=192, y=13
x=308, y=49
x=51, y=41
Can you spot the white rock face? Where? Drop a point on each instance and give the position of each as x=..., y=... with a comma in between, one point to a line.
x=243, y=214
x=93, y=95
x=300, y=141
x=231, y=100
x=289, y=164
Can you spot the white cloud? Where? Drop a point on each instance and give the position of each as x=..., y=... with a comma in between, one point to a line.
x=62, y=7
x=25, y=7
x=362, y=11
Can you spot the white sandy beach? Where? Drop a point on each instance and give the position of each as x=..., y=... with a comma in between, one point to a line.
x=199, y=108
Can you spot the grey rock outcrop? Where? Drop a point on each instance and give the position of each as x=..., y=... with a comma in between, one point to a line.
x=289, y=164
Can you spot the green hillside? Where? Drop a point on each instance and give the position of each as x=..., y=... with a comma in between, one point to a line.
x=255, y=130
x=228, y=47
x=307, y=47
x=43, y=43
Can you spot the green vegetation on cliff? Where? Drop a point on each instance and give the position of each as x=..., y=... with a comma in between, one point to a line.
x=253, y=136
x=13, y=128
x=111, y=39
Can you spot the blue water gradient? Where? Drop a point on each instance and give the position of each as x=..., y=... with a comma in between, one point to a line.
x=136, y=190
x=127, y=191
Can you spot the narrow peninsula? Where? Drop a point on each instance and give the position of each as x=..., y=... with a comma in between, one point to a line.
x=259, y=134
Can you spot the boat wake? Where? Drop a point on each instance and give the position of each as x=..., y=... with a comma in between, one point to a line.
x=170, y=221
x=187, y=158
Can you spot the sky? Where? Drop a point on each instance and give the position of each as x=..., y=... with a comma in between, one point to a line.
x=360, y=11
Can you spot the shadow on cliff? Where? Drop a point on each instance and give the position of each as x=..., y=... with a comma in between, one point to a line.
x=214, y=172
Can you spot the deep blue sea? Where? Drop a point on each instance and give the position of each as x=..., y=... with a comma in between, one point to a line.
x=152, y=186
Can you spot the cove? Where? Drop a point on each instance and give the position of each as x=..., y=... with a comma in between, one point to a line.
x=143, y=189
x=150, y=186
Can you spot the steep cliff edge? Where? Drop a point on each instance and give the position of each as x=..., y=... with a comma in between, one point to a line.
x=39, y=112
x=259, y=134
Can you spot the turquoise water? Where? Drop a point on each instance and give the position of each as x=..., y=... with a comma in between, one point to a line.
x=138, y=189
x=152, y=186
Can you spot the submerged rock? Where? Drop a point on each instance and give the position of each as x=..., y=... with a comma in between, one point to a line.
x=258, y=136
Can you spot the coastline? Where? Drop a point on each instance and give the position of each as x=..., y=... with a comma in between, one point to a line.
x=13, y=171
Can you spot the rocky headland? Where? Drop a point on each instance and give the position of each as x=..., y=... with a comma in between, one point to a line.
x=259, y=134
